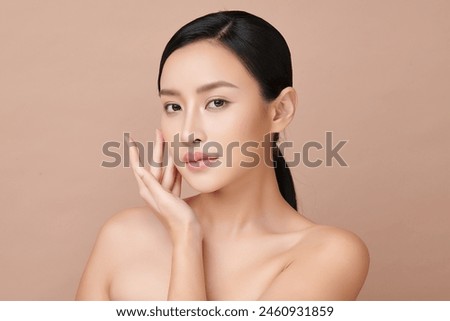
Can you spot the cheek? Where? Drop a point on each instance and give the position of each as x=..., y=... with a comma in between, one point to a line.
x=244, y=122
x=250, y=128
x=168, y=131
x=170, y=128
x=167, y=126
x=240, y=129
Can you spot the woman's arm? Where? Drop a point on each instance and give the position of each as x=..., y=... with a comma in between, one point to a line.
x=187, y=280
x=161, y=190
x=94, y=283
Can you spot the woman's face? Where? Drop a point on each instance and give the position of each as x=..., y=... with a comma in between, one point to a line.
x=207, y=94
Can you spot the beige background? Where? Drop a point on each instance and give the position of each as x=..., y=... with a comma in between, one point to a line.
x=76, y=74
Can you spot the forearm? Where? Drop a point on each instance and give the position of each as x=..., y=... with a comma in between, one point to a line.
x=187, y=278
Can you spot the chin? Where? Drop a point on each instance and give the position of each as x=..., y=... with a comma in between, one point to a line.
x=216, y=179
x=203, y=184
x=204, y=181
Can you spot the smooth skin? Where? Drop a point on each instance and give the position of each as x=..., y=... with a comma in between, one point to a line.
x=238, y=239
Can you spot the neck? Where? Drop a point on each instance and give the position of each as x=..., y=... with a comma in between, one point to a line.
x=251, y=204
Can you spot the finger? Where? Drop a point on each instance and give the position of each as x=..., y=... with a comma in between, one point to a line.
x=154, y=187
x=169, y=174
x=135, y=164
x=162, y=160
x=156, y=170
x=177, y=186
x=144, y=192
x=134, y=153
x=177, y=177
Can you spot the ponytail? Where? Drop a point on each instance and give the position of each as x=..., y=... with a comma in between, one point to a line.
x=283, y=174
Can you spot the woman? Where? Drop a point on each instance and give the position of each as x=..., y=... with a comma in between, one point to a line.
x=224, y=79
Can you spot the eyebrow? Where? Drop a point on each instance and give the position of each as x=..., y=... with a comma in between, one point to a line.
x=201, y=89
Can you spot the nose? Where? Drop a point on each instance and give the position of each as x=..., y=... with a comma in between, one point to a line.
x=192, y=131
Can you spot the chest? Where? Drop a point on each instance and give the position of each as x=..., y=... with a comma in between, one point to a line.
x=232, y=272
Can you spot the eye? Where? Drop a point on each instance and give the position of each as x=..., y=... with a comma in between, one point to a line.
x=174, y=107
x=216, y=103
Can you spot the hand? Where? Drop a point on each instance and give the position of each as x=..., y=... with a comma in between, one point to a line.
x=161, y=189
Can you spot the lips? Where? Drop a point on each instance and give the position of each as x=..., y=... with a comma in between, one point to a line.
x=196, y=156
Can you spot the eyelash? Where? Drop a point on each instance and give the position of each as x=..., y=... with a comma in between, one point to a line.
x=225, y=102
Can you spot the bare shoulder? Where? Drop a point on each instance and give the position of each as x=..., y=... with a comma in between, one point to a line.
x=133, y=220
x=332, y=239
x=132, y=231
x=338, y=247
x=340, y=257
x=328, y=263
x=127, y=234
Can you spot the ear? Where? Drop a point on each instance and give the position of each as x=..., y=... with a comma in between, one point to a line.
x=282, y=109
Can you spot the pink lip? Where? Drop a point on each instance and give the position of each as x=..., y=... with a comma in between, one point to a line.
x=199, y=161
x=196, y=156
x=201, y=164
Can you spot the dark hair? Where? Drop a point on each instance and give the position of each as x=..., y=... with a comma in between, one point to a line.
x=261, y=49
